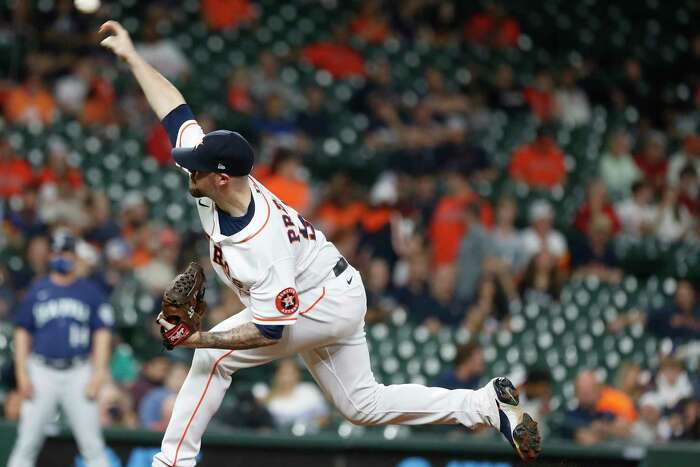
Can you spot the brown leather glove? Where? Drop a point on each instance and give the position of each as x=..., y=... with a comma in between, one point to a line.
x=183, y=305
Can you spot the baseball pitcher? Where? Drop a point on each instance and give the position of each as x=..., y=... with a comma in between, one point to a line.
x=301, y=296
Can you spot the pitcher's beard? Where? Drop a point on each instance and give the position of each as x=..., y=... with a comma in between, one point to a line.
x=194, y=191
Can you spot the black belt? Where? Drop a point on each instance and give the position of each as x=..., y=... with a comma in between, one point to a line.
x=60, y=363
x=340, y=267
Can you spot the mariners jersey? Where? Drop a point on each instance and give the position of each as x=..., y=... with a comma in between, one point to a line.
x=273, y=259
x=62, y=318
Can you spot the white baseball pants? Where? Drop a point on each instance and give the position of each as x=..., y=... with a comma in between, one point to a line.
x=53, y=388
x=330, y=338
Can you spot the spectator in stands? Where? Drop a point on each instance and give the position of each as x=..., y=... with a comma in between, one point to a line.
x=135, y=228
x=637, y=214
x=543, y=279
x=385, y=125
x=505, y=94
x=603, y=412
x=647, y=428
x=679, y=320
x=15, y=172
x=57, y=169
x=153, y=374
x=493, y=28
x=540, y=96
x=469, y=366
x=572, y=107
x=652, y=160
x=266, y=80
x=379, y=84
x=689, y=191
x=37, y=255
x=596, y=205
x=240, y=97
x=285, y=179
x=439, y=23
x=61, y=202
x=71, y=90
x=153, y=407
x=293, y=402
x=631, y=379
x=158, y=271
x=414, y=295
x=336, y=56
x=688, y=156
x=540, y=163
x=595, y=255
x=30, y=102
x=617, y=167
x=673, y=220
x=443, y=308
x=380, y=300
x=314, y=119
x=162, y=53
x=341, y=208
x=541, y=236
x=688, y=427
x=475, y=249
x=228, y=14
x=116, y=408
x=23, y=215
x=448, y=224
x=631, y=89
x=442, y=99
x=671, y=384
x=371, y=23
x=507, y=243
x=489, y=307
x=275, y=125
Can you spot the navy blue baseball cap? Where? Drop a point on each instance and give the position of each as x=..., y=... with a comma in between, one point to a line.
x=220, y=151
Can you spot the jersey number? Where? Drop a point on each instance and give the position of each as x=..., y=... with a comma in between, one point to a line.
x=294, y=232
x=78, y=336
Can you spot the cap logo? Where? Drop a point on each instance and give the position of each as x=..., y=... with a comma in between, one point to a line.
x=221, y=166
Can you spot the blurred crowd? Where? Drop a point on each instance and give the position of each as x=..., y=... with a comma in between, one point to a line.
x=420, y=232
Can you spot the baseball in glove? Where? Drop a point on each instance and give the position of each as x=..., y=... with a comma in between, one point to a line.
x=183, y=306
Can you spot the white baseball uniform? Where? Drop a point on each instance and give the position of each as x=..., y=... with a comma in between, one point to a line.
x=282, y=269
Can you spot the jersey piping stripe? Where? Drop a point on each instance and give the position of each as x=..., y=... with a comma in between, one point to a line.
x=323, y=293
x=258, y=318
x=196, y=409
x=261, y=227
x=182, y=132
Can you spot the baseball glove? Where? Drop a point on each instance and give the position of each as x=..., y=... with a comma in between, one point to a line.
x=183, y=305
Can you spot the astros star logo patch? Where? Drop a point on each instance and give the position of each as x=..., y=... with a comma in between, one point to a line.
x=287, y=301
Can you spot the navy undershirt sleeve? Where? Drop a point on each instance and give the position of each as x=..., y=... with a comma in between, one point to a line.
x=271, y=331
x=174, y=120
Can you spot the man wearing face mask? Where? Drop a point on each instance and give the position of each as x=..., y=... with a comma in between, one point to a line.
x=62, y=345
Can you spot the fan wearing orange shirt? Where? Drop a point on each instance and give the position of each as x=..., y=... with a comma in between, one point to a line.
x=15, y=173
x=539, y=164
x=284, y=181
x=448, y=224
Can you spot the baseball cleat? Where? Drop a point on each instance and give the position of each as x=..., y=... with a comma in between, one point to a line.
x=516, y=426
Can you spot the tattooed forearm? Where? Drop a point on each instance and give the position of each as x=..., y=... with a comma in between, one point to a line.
x=245, y=336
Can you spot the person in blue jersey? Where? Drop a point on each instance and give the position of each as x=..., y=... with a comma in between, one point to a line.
x=62, y=346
